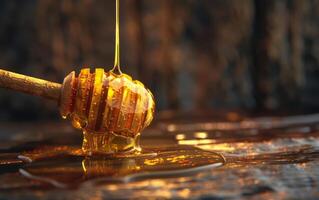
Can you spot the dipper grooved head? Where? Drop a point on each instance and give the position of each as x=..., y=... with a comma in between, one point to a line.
x=103, y=102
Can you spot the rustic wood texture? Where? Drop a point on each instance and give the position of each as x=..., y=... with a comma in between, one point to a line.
x=30, y=85
x=249, y=54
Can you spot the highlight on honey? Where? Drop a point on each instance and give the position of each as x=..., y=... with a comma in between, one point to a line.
x=111, y=109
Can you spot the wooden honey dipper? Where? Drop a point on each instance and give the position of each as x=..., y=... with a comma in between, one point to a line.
x=109, y=107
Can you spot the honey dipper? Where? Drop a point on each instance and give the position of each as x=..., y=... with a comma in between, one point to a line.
x=109, y=107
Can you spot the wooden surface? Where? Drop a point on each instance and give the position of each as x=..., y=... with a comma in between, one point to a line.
x=267, y=158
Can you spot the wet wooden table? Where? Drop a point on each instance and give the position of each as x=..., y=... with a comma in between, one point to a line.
x=266, y=158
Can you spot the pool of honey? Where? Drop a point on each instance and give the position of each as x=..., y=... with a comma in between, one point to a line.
x=266, y=157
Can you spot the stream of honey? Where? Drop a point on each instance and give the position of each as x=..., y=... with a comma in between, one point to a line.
x=117, y=67
x=110, y=107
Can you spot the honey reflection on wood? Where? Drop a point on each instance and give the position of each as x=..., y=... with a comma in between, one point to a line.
x=67, y=166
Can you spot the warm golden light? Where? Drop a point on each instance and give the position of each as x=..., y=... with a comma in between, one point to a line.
x=171, y=128
x=218, y=147
x=196, y=142
x=152, y=162
x=200, y=135
x=180, y=137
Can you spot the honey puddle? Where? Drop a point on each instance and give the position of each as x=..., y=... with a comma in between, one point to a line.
x=67, y=166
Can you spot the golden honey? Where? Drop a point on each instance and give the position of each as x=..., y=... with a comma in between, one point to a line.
x=110, y=108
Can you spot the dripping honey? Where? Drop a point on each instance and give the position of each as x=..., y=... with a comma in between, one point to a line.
x=117, y=67
x=109, y=107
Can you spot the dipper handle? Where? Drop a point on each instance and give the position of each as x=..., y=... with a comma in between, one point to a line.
x=30, y=85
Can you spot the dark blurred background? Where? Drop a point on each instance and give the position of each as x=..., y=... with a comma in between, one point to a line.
x=256, y=55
